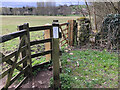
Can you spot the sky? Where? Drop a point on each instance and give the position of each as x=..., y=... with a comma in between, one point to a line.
x=42, y=0
x=21, y=3
x=58, y=0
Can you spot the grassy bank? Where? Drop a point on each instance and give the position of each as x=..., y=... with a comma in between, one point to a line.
x=89, y=69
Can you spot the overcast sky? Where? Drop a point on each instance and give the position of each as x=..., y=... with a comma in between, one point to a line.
x=58, y=0
x=9, y=3
x=42, y=0
x=21, y=3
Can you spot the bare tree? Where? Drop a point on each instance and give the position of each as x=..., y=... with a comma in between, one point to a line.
x=101, y=10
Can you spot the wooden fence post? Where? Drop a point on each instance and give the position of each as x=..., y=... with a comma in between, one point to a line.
x=23, y=54
x=47, y=45
x=75, y=33
x=55, y=54
x=118, y=48
x=28, y=51
x=69, y=29
x=70, y=32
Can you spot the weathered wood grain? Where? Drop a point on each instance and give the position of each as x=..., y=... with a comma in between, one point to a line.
x=41, y=54
x=40, y=41
x=39, y=28
x=13, y=35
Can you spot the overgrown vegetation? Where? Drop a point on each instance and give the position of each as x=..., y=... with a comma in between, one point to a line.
x=65, y=81
x=89, y=69
x=110, y=31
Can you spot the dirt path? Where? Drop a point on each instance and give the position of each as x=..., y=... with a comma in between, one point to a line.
x=42, y=80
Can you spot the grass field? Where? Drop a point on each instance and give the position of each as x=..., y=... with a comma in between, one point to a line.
x=10, y=23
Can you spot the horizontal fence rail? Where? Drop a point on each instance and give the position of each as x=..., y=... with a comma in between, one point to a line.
x=41, y=54
x=10, y=36
x=40, y=41
x=40, y=28
x=5, y=58
x=63, y=24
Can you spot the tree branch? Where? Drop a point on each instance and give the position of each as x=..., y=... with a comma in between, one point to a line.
x=116, y=9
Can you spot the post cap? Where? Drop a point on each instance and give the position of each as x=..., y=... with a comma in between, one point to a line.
x=55, y=20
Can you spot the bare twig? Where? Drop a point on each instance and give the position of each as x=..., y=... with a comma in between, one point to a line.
x=89, y=13
x=116, y=9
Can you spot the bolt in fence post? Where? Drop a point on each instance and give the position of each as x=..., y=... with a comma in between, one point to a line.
x=55, y=54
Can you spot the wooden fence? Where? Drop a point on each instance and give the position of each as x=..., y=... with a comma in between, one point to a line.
x=69, y=33
x=24, y=66
x=64, y=32
x=24, y=49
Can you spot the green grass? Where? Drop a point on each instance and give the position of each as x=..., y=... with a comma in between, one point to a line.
x=91, y=69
